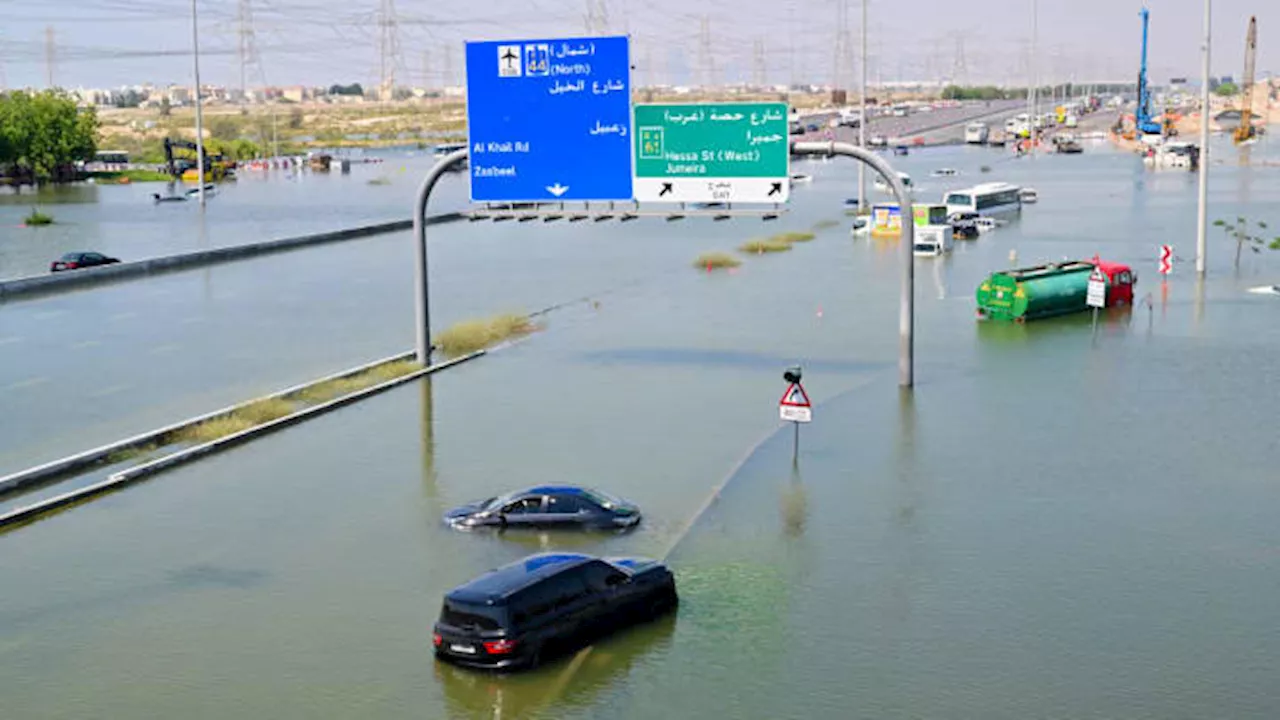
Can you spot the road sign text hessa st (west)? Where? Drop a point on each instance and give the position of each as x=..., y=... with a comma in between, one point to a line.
x=549, y=120
x=712, y=152
x=794, y=405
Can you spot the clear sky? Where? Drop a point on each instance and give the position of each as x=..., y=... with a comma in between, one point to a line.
x=105, y=43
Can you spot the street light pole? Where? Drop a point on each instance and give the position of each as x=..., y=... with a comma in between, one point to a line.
x=1202, y=227
x=195, y=56
x=862, y=117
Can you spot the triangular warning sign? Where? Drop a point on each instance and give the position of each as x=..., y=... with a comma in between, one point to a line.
x=795, y=396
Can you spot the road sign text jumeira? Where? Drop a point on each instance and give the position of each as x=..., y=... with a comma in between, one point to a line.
x=549, y=119
x=712, y=152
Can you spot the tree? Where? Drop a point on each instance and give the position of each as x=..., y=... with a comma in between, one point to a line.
x=295, y=118
x=165, y=108
x=352, y=89
x=1227, y=89
x=45, y=133
x=1239, y=232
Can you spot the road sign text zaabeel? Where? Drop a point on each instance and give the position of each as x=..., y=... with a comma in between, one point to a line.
x=1096, y=294
x=549, y=119
x=794, y=405
x=712, y=152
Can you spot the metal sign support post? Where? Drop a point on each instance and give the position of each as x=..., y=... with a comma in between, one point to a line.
x=422, y=319
x=906, y=305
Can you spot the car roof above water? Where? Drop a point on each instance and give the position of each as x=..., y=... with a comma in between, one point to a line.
x=498, y=584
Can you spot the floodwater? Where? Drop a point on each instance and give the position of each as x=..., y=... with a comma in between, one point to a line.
x=123, y=221
x=1054, y=524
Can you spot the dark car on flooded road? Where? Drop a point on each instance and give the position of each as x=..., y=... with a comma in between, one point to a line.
x=547, y=507
x=76, y=260
x=547, y=605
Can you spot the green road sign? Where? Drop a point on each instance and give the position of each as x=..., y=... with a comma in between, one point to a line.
x=712, y=152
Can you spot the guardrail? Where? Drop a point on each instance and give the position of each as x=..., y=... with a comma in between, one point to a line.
x=60, y=282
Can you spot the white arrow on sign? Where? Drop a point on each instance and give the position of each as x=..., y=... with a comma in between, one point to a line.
x=557, y=189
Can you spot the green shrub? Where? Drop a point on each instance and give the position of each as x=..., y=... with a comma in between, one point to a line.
x=716, y=261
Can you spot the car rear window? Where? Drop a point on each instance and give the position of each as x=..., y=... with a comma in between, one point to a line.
x=465, y=616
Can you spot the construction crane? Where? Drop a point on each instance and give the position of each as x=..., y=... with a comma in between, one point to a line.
x=1245, y=131
x=1143, y=121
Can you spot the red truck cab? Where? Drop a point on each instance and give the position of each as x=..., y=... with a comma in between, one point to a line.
x=1120, y=281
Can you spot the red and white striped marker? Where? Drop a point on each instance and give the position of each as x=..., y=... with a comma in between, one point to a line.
x=1166, y=259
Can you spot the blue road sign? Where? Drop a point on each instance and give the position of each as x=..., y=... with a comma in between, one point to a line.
x=549, y=119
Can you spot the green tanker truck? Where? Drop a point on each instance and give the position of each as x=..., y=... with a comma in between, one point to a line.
x=1053, y=289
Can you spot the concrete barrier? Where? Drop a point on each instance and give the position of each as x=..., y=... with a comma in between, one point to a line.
x=39, y=474
x=134, y=474
x=37, y=285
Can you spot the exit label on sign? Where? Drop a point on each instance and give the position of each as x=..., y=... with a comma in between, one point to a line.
x=712, y=152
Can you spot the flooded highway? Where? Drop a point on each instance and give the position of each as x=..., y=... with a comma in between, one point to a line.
x=1053, y=524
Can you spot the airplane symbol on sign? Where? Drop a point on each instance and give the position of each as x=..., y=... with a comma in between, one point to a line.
x=510, y=57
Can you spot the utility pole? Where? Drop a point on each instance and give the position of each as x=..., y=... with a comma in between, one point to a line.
x=1033, y=88
x=49, y=55
x=840, y=49
x=426, y=70
x=195, y=59
x=862, y=117
x=1202, y=226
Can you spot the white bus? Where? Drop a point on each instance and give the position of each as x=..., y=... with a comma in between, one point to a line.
x=975, y=133
x=985, y=199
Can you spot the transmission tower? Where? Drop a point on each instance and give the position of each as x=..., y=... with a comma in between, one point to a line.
x=50, y=55
x=596, y=19
x=388, y=48
x=759, y=69
x=247, y=48
x=959, y=66
x=706, y=63
x=447, y=71
x=842, y=49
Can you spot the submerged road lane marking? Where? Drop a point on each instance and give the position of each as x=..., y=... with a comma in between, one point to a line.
x=127, y=314
x=85, y=344
x=109, y=391
x=29, y=382
x=166, y=348
x=191, y=320
x=10, y=340
x=46, y=314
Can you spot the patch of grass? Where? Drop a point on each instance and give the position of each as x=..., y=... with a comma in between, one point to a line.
x=251, y=415
x=793, y=237
x=380, y=181
x=716, y=261
x=825, y=224
x=338, y=387
x=472, y=335
x=760, y=247
x=129, y=453
x=37, y=218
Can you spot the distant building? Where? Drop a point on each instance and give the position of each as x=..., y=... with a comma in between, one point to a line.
x=178, y=94
x=295, y=93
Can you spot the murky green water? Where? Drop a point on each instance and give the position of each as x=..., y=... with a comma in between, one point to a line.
x=1055, y=526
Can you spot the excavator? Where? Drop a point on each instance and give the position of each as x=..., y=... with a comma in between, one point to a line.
x=1246, y=131
x=213, y=165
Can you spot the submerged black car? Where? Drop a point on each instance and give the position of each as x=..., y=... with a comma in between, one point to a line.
x=547, y=605
x=549, y=507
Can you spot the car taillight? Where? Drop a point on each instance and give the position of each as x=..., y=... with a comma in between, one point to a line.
x=436, y=639
x=500, y=647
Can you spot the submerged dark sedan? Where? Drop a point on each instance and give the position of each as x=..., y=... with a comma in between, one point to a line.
x=548, y=506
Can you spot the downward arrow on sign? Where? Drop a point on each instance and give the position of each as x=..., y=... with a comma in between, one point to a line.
x=557, y=189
